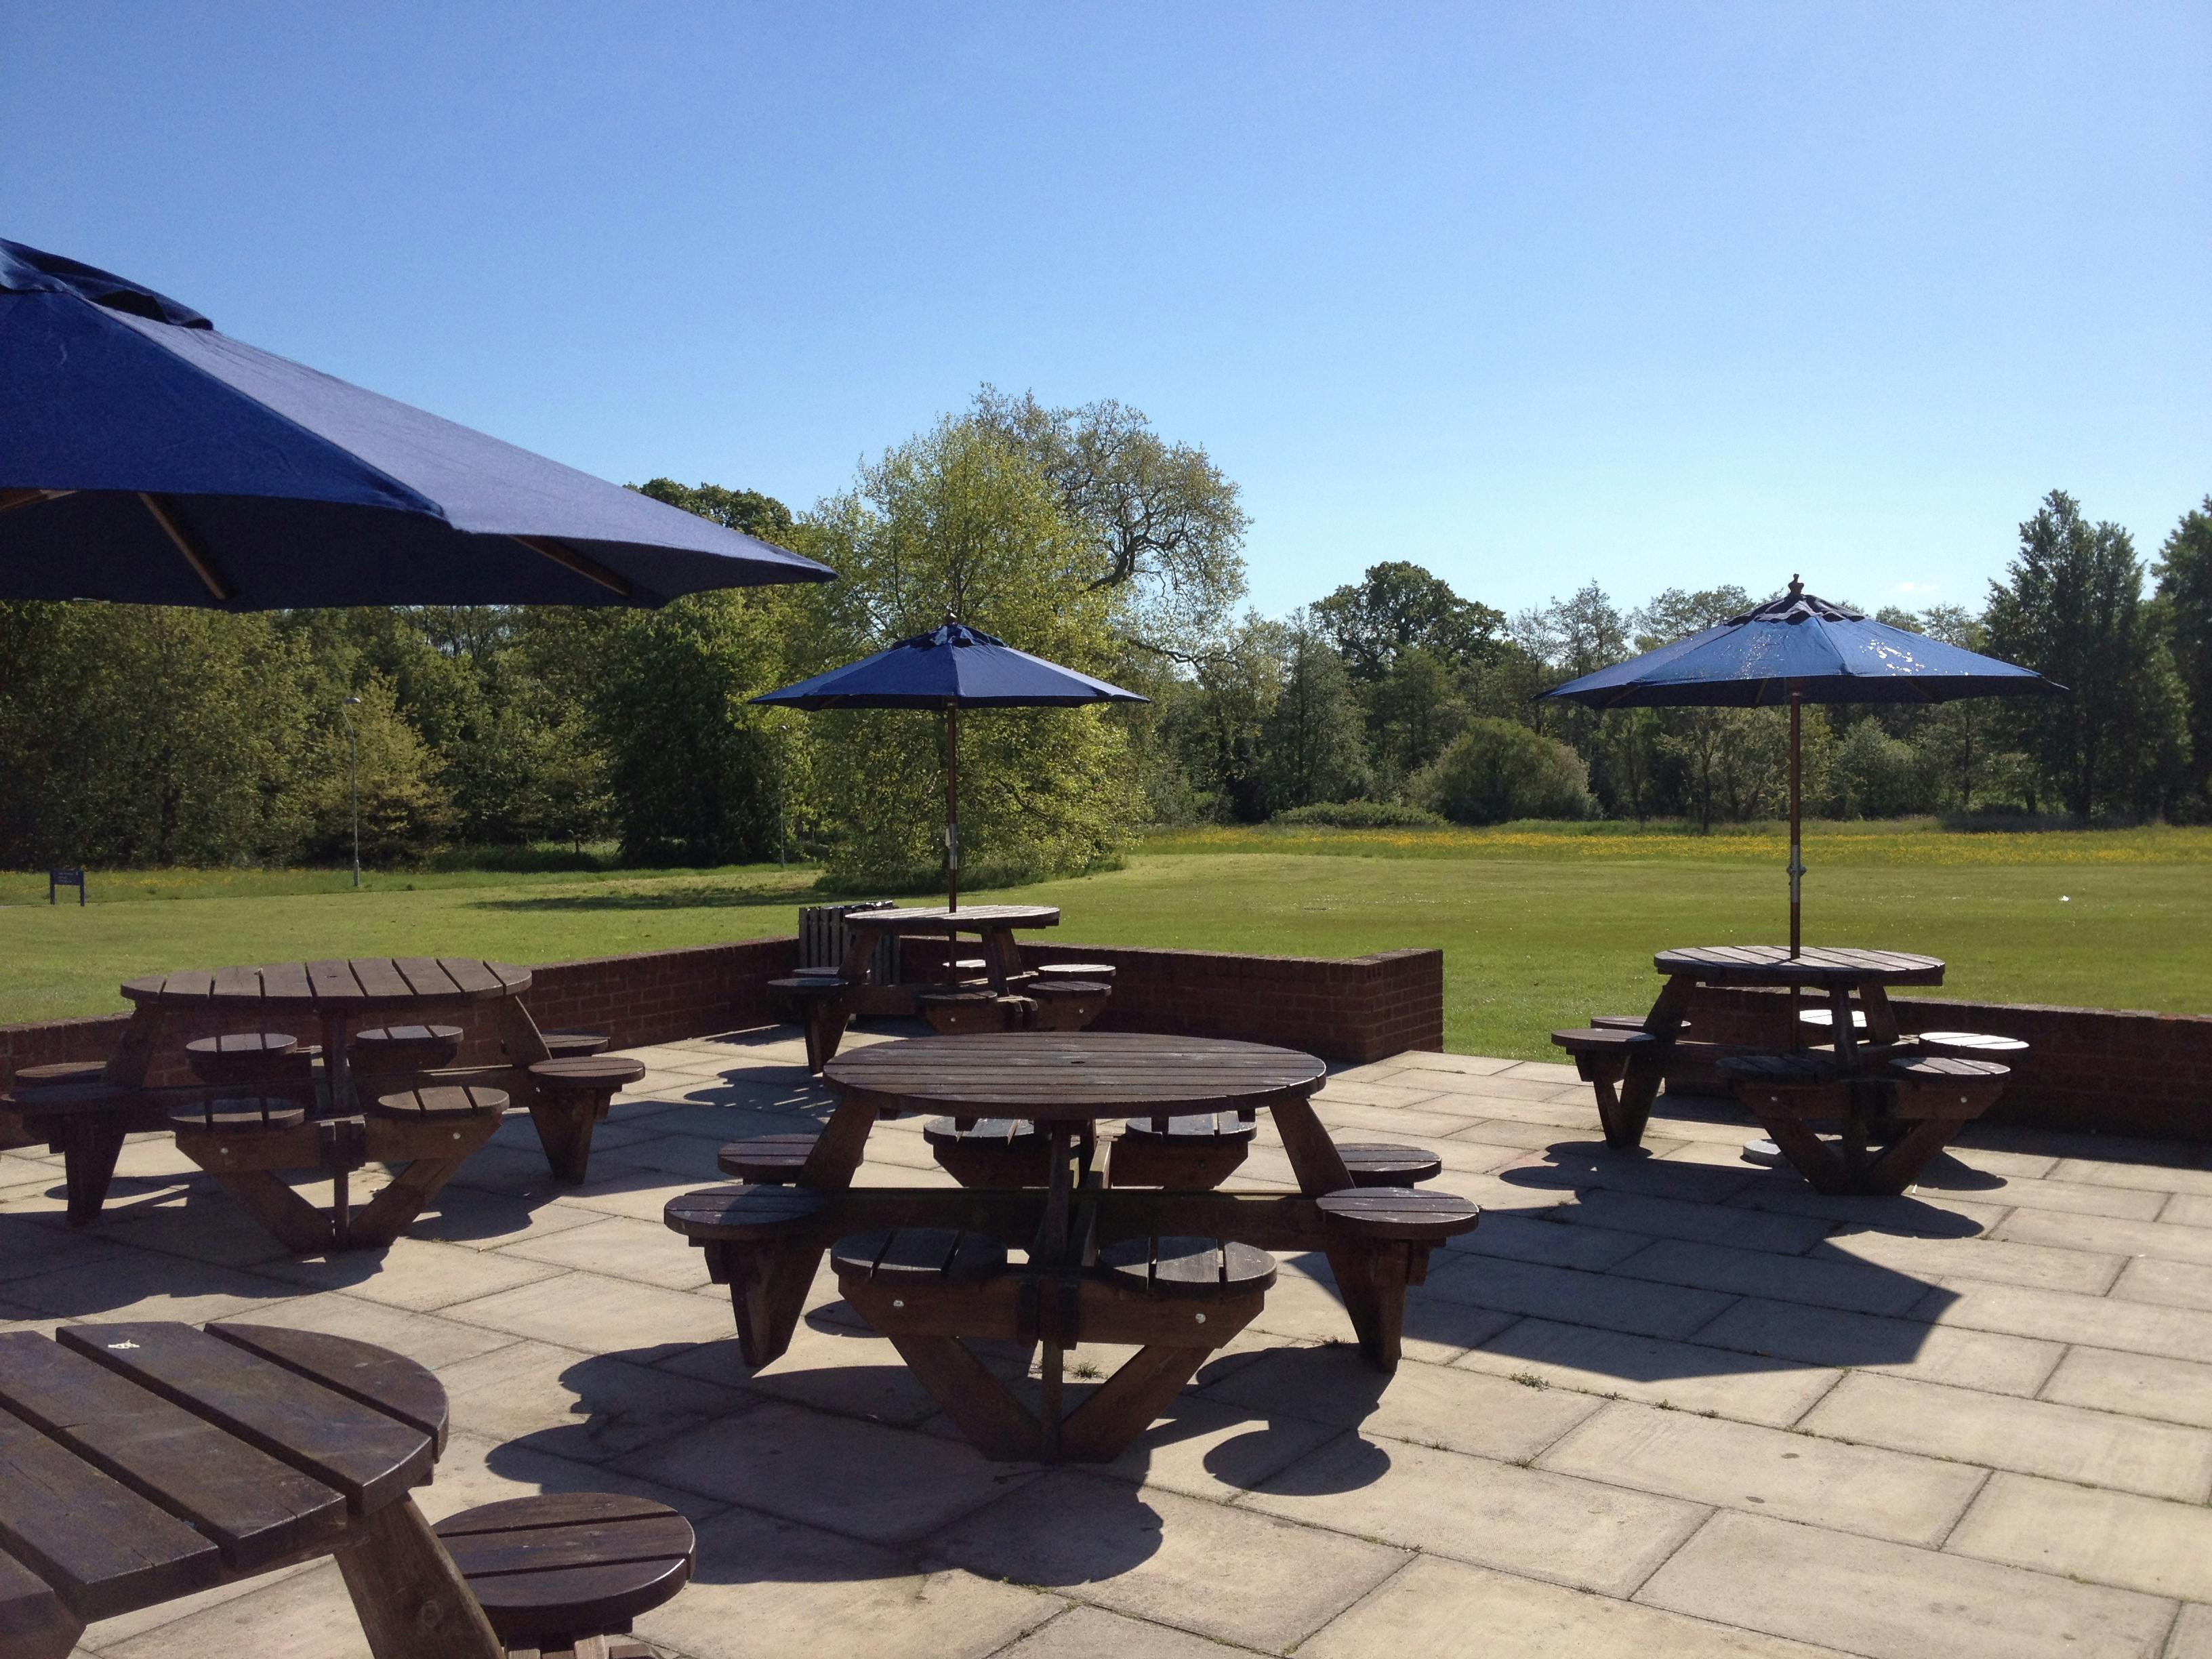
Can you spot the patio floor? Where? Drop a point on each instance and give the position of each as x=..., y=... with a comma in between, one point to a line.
x=1667, y=1403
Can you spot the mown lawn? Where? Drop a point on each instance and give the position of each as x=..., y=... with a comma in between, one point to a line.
x=1540, y=925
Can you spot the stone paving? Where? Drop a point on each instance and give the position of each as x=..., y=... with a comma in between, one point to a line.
x=1658, y=1403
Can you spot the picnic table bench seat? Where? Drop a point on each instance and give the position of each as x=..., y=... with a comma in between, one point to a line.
x=1196, y=1151
x=253, y=1061
x=962, y=1012
x=1103, y=972
x=570, y=1096
x=86, y=1123
x=990, y=1152
x=1176, y=1300
x=1068, y=1005
x=755, y=1237
x=1882, y=1129
x=384, y=1051
x=561, y=1572
x=1373, y=1163
x=568, y=1043
x=825, y=1003
x=57, y=1072
x=768, y=1160
x=1387, y=1233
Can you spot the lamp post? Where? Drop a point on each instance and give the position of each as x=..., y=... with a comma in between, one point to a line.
x=353, y=769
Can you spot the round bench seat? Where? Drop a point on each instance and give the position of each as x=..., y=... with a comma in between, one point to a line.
x=1372, y=1164
x=382, y=1050
x=769, y=1160
x=1068, y=1005
x=248, y=1058
x=556, y=1569
x=240, y=1115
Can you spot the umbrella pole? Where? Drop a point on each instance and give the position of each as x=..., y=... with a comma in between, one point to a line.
x=952, y=807
x=1796, y=849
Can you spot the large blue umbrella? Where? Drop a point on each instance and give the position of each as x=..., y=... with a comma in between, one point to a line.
x=1798, y=649
x=954, y=668
x=146, y=458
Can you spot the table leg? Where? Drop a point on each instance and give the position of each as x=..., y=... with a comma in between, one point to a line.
x=976, y=1400
x=1847, y=1035
x=1101, y=1428
x=1312, y=1155
x=296, y=1224
x=1880, y=1016
x=524, y=1046
x=1671, y=1008
x=134, y=1051
x=338, y=1069
x=412, y=1601
x=90, y=1147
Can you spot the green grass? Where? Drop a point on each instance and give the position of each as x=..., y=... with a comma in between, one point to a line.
x=1541, y=925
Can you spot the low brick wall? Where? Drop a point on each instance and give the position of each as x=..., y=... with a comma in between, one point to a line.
x=2110, y=1071
x=1358, y=1009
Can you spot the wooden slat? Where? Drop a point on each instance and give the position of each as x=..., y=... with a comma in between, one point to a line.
x=370, y=1457
x=472, y=976
x=427, y=976
x=103, y=1547
x=379, y=977
x=334, y=983
x=376, y=1377
x=145, y=988
x=256, y=1509
x=194, y=986
x=1394, y=1212
x=286, y=982
x=33, y=1623
x=237, y=984
x=741, y=1212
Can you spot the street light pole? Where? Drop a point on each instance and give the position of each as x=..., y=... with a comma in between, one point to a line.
x=353, y=769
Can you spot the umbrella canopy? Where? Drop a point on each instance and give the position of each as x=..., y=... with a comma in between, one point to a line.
x=1798, y=649
x=956, y=667
x=146, y=458
x=1803, y=647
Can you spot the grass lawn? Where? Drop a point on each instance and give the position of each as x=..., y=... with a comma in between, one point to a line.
x=1540, y=926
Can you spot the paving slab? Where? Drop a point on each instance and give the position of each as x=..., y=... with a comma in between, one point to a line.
x=589, y=1407
x=1460, y=1410
x=1218, y=1570
x=1550, y=1236
x=1206, y=1448
x=2189, y=1210
x=420, y=1274
x=2151, y=1177
x=2076, y=1198
x=2032, y=1437
x=1594, y=1536
x=1941, y=1354
x=427, y=1339
x=626, y=1247
x=1938, y=1215
x=2142, y=1385
x=2107, y=1537
x=2192, y=1634
x=2100, y=1321
x=1095, y=1633
x=1440, y=1608
x=1703, y=1223
x=1749, y=1388
x=764, y=1586
x=1303, y=1306
x=1893, y=1602
x=865, y=1481
x=2167, y=1240
x=601, y=1314
x=833, y=1366
x=1582, y=1298
x=2043, y=1266
x=2175, y=1284
x=1792, y=1476
x=305, y=1612
x=1855, y=1287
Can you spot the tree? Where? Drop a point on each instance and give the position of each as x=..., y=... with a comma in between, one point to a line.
x=1501, y=770
x=1218, y=729
x=2184, y=595
x=1413, y=713
x=961, y=518
x=1163, y=530
x=404, y=810
x=1312, y=746
x=1398, y=607
x=747, y=511
x=2073, y=609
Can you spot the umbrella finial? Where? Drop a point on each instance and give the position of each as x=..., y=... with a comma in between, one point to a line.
x=1797, y=586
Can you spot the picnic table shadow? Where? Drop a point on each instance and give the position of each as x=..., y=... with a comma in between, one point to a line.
x=927, y=1496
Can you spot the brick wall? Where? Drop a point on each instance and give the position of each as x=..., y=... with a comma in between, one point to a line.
x=1358, y=1009
x=2109, y=1070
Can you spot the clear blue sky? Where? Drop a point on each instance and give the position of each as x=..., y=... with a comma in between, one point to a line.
x=1530, y=294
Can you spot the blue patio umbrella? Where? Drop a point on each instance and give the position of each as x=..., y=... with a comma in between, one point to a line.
x=1798, y=649
x=954, y=668
x=146, y=458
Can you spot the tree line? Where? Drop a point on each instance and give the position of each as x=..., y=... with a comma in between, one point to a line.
x=143, y=736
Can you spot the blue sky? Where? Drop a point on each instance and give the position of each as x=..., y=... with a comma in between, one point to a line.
x=1528, y=293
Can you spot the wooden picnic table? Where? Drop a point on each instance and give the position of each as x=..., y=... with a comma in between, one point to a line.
x=148, y=1462
x=993, y=924
x=1067, y=1083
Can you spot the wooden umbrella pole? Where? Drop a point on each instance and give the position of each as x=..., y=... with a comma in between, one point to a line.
x=952, y=805
x=1796, y=851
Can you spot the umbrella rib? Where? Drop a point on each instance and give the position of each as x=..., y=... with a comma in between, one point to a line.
x=12, y=499
x=202, y=566
x=589, y=569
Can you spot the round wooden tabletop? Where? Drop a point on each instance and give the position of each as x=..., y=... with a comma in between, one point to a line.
x=1773, y=964
x=968, y=916
x=157, y=1460
x=366, y=985
x=1073, y=1077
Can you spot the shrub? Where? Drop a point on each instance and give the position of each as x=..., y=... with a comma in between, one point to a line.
x=1500, y=770
x=1361, y=814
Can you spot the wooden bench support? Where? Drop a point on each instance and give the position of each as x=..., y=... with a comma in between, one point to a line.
x=571, y=1095
x=1889, y=1126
